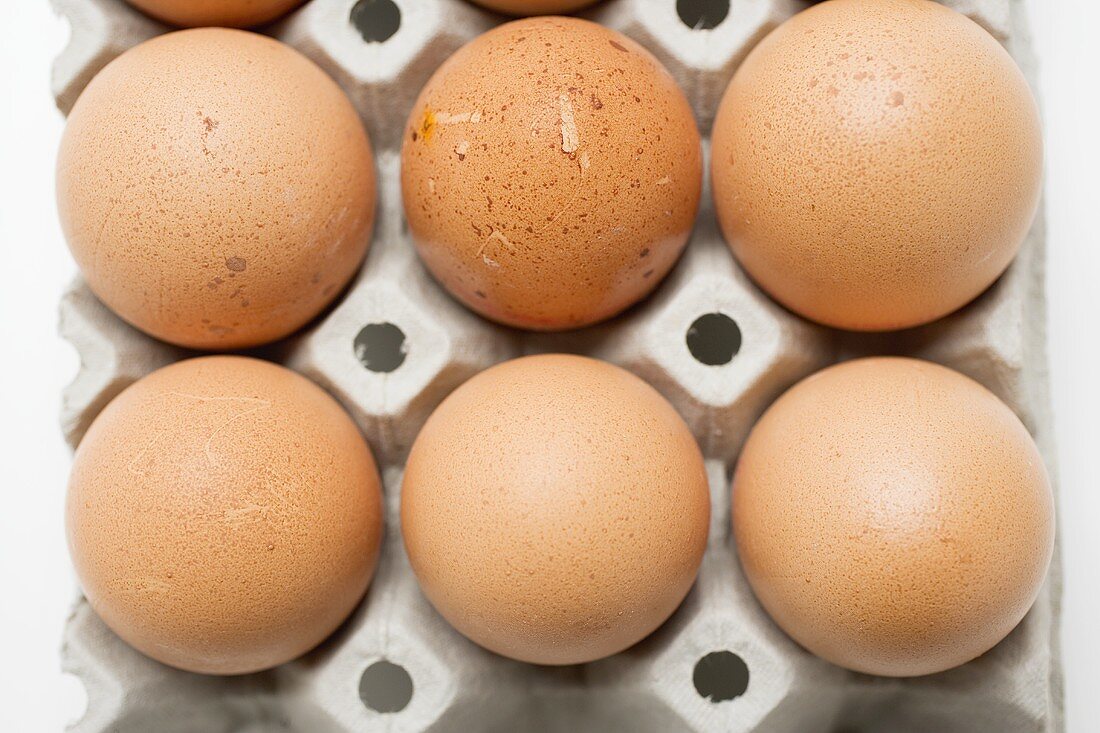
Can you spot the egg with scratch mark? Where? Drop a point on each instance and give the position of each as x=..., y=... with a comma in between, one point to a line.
x=551, y=173
x=216, y=188
x=224, y=515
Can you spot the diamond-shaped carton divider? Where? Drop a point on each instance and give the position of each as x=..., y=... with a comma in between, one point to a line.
x=720, y=664
x=701, y=57
x=398, y=665
x=382, y=66
x=113, y=355
x=397, y=344
x=101, y=30
x=716, y=346
x=130, y=693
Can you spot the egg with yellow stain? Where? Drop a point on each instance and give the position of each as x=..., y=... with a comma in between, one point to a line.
x=551, y=173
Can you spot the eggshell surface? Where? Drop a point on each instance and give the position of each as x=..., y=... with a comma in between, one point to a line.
x=876, y=164
x=893, y=516
x=230, y=13
x=216, y=188
x=224, y=515
x=555, y=509
x=551, y=173
x=534, y=7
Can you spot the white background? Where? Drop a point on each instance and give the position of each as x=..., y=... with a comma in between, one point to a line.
x=36, y=583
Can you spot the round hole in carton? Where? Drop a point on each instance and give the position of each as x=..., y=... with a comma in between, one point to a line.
x=702, y=15
x=385, y=687
x=714, y=339
x=380, y=347
x=720, y=676
x=376, y=20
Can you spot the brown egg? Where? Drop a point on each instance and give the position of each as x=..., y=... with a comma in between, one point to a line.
x=534, y=7
x=551, y=173
x=224, y=515
x=555, y=509
x=231, y=13
x=216, y=188
x=893, y=516
x=876, y=163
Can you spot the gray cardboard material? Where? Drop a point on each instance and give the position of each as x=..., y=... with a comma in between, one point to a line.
x=456, y=686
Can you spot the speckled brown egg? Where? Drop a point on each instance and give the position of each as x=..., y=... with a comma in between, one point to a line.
x=534, y=7
x=876, y=163
x=216, y=188
x=230, y=13
x=893, y=516
x=555, y=509
x=224, y=515
x=551, y=173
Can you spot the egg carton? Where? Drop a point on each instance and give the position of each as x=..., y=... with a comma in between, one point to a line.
x=708, y=339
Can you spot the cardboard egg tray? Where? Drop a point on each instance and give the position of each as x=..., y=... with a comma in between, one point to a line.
x=711, y=342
